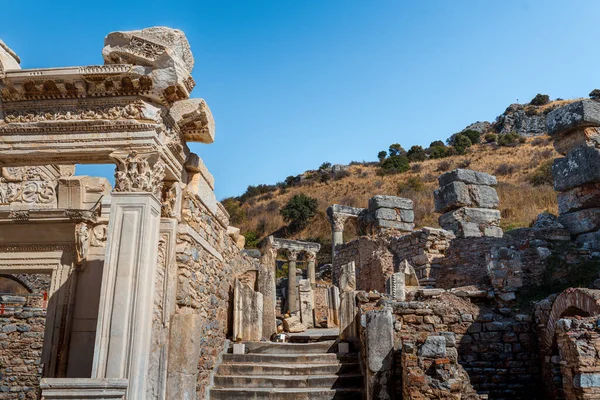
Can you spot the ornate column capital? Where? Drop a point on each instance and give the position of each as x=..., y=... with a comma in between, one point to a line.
x=292, y=255
x=139, y=172
x=311, y=256
x=337, y=222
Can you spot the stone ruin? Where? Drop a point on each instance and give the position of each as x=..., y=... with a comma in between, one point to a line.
x=133, y=291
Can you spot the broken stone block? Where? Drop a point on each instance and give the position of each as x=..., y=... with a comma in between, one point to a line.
x=247, y=312
x=348, y=277
x=589, y=137
x=195, y=120
x=8, y=59
x=160, y=53
x=381, y=201
x=395, y=286
x=578, y=168
x=459, y=194
x=582, y=221
x=576, y=115
x=293, y=324
x=546, y=220
x=306, y=302
x=586, y=196
x=471, y=222
x=434, y=347
x=590, y=240
x=467, y=176
x=380, y=339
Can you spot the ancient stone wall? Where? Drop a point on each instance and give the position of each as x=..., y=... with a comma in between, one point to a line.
x=208, y=261
x=22, y=324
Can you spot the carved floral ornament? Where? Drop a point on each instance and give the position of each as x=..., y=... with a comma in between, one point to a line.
x=338, y=221
x=310, y=256
x=139, y=172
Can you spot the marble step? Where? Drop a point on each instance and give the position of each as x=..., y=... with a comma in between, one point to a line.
x=329, y=346
x=325, y=358
x=285, y=394
x=289, y=381
x=245, y=369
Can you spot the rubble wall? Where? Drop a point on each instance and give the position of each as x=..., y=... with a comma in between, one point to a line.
x=208, y=261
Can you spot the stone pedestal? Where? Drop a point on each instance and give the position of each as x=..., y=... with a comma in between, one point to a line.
x=124, y=326
x=83, y=389
x=306, y=303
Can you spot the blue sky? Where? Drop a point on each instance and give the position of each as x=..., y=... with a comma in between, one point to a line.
x=293, y=84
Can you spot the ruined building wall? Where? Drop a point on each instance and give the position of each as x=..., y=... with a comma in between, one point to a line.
x=208, y=261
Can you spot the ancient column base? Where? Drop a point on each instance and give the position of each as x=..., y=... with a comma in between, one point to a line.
x=83, y=389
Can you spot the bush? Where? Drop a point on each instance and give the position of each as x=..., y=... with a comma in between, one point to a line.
x=341, y=174
x=437, y=152
x=237, y=214
x=509, y=139
x=395, y=164
x=540, y=100
x=490, y=137
x=522, y=139
x=396, y=150
x=252, y=239
x=543, y=175
x=505, y=169
x=474, y=136
x=325, y=165
x=416, y=168
x=595, y=94
x=437, y=143
x=460, y=143
x=540, y=141
x=381, y=155
x=464, y=163
x=416, y=153
x=443, y=166
x=299, y=211
x=413, y=183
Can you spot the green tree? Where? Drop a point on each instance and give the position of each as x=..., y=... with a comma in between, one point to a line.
x=474, y=136
x=396, y=150
x=540, y=100
x=395, y=164
x=438, y=152
x=325, y=165
x=416, y=153
x=299, y=211
x=382, y=155
x=437, y=143
x=460, y=143
x=595, y=94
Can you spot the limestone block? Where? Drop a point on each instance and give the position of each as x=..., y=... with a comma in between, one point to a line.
x=348, y=316
x=434, y=347
x=586, y=196
x=162, y=54
x=83, y=388
x=579, y=167
x=467, y=176
x=472, y=222
x=410, y=276
x=400, y=226
x=234, y=234
x=582, y=221
x=381, y=201
x=586, y=380
x=589, y=137
x=8, y=59
x=348, y=277
x=293, y=325
x=459, y=194
x=247, y=313
x=306, y=303
x=239, y=348
x=547, y=220
x=184, y=354
x=195, y=164
x=380, y=339
x=395, y=286
x=576, y=115
x=333, y=306
x=194, y=119
x=81, y=192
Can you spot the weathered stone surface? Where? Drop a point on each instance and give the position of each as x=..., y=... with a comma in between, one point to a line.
x=579, y=167
x=379, y=335
x=590, y=240
x=586, y=196
x=396, y=286
x=588, y=137
x=401, y=226
x=195, y=120
x=184, y=352
x=83, y=388
x=467, y=176
x=348, y=316
x=306, y=303
x=247, y=313
x=459, y=194
x=381, y=201
x=8, y=59
x=546, y=220
x=579, y=114
x=348, y=277
x=472, y=222
x=293, y=325
x=333, y=306
x=582, y=221
x=434, y=347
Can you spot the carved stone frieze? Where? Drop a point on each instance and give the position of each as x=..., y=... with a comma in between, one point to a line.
x=19, y=215
x=139, y=172
x=99, y=233
x=29, y=192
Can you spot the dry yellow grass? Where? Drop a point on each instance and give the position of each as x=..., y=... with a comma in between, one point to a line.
x=520, y=202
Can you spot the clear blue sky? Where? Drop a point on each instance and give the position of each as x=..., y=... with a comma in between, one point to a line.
x=293, y=84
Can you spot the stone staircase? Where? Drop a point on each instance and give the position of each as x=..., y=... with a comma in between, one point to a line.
x=282, y=371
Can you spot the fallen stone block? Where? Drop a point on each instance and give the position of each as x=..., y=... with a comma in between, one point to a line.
x=582, y=221
x=578, y=168
x=586, y=196
x=589, y=137
x=472, y=222
x=459, y=194
x=467, y=176
x=293, y=325
x=576, y=115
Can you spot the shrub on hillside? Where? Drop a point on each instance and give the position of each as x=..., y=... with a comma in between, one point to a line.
x=416, y=153
x=396, y=150
x=325, y=165
x=413, y=183
x=540, y=141
x=381, y=155
x=299, y=211
x=474, y=136
x=490, y=137
x=540, y=100
x=595, y=94
x=395, y=164
x=543, y=175
x=464, y=163
x=461, y=143
x=236, y=213
x=341, y=175
x=443, y=166
x=509, y=139
x=416, y=168
x=252, y=239
x=505, y=169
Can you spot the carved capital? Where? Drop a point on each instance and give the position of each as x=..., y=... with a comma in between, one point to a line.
x=139, y=172
x=311, y=256
x=337, y=222
x=292, y=255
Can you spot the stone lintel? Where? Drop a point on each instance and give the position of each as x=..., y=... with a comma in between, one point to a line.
x=195, y=164
x=48, y=215
x=295, y=245
x=83, y=388
x=580, y=114
x=346, y=210
x=467, y=176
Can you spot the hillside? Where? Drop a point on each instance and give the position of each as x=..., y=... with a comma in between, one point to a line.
x=514, y=166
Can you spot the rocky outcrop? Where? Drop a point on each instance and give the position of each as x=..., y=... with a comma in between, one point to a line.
x=524, y=120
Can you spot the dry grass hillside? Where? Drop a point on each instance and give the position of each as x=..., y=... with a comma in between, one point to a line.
x=514, y=167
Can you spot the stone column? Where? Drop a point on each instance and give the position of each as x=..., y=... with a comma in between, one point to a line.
x=311, y=259
x=124, y=328
x=306, y=303
x=337, y=228
x=266, y=286
x=292, y=294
